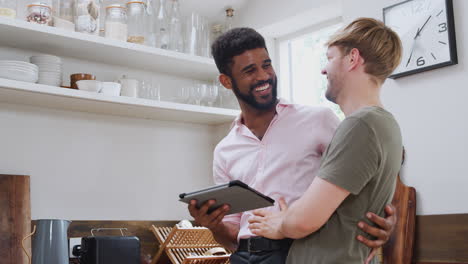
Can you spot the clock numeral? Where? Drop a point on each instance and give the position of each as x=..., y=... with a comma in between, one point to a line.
x=442, y=27
x=420, y=61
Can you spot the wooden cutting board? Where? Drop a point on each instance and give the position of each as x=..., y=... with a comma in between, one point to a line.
x=15, y=218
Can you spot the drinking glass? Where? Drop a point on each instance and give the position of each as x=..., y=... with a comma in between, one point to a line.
x=183, y=94
x=195, y=93
x=145, y=90
x=209, y=93
x=155, y=92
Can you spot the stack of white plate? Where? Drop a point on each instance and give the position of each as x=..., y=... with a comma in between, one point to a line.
x=50, y=69
x=18, y=70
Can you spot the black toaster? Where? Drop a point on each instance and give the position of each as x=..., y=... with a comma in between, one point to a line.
x=108, y=250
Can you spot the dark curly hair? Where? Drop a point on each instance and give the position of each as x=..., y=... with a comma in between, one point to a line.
x=232, y=43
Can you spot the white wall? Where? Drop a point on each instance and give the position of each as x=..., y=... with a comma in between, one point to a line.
x=428, y=106
x=89, y=166
x=264, y=13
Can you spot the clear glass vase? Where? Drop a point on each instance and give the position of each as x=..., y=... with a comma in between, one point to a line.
x=162, y=26
x=150, y=17
x=176, y=41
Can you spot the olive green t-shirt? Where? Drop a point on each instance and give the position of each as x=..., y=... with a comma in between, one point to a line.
x=364, y=157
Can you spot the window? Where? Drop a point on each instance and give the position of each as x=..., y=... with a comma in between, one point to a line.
x=302, y=57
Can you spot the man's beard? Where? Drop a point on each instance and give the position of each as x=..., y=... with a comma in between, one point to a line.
x=334, y=86
x=329, y=95
x=250, y=98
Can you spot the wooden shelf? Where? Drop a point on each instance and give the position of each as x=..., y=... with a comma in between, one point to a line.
x=60, y=42
x=16, y=92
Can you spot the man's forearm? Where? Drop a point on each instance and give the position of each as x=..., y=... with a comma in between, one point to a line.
x=226, y=235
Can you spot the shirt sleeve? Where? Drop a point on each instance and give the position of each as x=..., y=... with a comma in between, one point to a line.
x=353, y=156
x=220, y=177
x=329, y=124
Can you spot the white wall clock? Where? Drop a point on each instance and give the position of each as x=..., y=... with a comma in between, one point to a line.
x=427, y=32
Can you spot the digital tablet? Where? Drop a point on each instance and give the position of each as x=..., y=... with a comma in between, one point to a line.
x=237, y=194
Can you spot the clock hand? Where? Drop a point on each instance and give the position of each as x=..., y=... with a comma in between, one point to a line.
x=411, y=55
x=412, y=48
x=420, y=29
x=418, y=32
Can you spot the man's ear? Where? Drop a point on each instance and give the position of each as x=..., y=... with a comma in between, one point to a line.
x=225, y=81
x=354, y=59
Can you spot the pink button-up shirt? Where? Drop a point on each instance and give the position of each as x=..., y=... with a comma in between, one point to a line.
x=283, y=163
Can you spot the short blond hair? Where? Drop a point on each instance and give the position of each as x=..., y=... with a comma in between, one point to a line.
x=378, y=45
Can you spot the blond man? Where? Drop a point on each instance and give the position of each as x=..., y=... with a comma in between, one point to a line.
x=359, y=168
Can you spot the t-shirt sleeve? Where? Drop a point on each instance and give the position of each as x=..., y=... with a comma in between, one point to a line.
x=353, y=156
x=220, y=177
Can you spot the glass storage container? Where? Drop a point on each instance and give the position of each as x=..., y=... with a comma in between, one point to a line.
x=66, y=10
x=136, y=22
x=39, y=13
x=116, y=23
x=87, y=15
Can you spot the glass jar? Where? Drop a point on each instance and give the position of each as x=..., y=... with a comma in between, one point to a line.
x=55, y=4
x=8, y=8
x=39, y=13
x=87, y=15
x=116, y=23
x=66, y=10
x=136, y=22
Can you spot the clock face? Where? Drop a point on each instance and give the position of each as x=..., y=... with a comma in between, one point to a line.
x=426, y=30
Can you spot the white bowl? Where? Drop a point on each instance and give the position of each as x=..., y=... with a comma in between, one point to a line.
x=53, y=75
x=50, y=67
x=89, y=85
x=45, y=59
x=51, y=83
x=111, y=88
x=49, y=78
